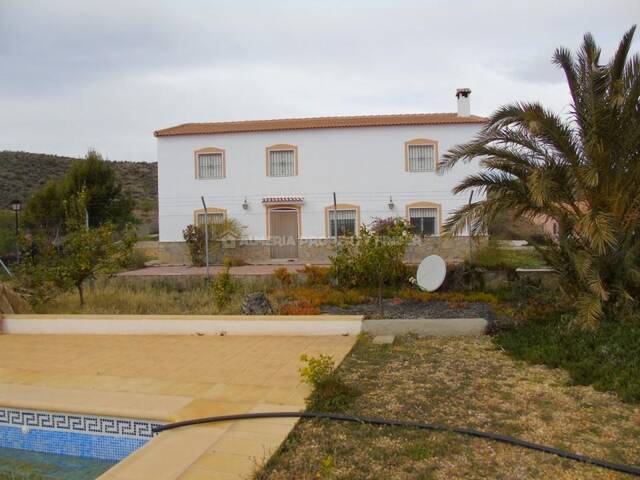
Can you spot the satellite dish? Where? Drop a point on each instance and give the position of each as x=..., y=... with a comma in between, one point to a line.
x=431, y=273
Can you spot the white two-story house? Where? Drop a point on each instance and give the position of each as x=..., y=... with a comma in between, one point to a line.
x=278, y=179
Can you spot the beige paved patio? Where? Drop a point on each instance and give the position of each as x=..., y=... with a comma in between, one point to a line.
x=186, y=270
x=169, y=378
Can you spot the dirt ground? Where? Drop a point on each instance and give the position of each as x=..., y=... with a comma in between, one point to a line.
x=408, y=309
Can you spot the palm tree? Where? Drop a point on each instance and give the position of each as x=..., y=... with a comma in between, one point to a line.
x=582, y=170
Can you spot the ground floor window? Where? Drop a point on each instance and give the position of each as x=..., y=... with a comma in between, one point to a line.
x=424, y=221
x=344, y=220
x=213, y=218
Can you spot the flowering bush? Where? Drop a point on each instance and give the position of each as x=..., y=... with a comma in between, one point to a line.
x=299, y=307
x=315, y=275
x=283, y=275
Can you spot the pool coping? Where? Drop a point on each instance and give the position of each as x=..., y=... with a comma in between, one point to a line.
x=92, y=324
x=247, y=325
x=225, y=450
x=156, y=407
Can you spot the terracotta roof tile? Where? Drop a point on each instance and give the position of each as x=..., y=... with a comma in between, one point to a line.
x=283, y=200
x=319, y=122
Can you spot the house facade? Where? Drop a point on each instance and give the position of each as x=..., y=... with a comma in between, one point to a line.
x=277, y=178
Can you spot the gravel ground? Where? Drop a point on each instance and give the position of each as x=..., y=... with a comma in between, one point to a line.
x=410, y=309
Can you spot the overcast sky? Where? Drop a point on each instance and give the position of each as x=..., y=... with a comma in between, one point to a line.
x=106, y=74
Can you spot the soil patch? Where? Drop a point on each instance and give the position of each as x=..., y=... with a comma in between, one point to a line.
x=410, y=309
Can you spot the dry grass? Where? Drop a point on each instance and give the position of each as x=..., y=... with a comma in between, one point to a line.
x=190, y=295
x=462, y=382
x=165, y=296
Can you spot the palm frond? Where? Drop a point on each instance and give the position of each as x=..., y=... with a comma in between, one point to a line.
x=619, y=61
x=583, y=172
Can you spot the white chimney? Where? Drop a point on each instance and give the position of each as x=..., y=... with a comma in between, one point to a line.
x=464, y=101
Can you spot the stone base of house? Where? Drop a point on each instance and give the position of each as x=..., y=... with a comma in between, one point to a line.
x=317, y=251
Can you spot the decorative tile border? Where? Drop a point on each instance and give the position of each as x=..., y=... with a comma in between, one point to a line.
x=93, y=436
x=121, y=427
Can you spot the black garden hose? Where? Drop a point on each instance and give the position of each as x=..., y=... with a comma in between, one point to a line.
x=629, y=469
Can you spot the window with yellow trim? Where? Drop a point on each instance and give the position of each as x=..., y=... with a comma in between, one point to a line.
x=422, y=158
x=344, y=220
x=211, y=217
x=282, y=163
x=424, y=221
x=210, y=165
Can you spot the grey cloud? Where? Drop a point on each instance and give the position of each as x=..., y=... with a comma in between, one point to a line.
x=535, y=70
x=75, y=74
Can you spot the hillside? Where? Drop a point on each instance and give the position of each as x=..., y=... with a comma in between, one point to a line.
x=22, y=173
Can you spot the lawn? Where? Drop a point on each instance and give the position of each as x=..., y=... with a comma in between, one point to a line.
x=463, y=382
x=493, y=257
x=607, y=357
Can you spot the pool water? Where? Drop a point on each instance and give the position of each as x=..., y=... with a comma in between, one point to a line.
x=26, y=465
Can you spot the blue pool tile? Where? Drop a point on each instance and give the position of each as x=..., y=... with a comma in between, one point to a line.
x=89, y=436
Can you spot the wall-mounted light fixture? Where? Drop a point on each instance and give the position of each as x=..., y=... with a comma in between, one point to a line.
x=391, y=204
x=245, y=204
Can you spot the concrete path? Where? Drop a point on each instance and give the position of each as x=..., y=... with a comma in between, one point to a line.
x=439, y=327
x=169, y=378
x=184, y=270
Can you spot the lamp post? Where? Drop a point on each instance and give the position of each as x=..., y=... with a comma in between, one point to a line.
x=16, y=206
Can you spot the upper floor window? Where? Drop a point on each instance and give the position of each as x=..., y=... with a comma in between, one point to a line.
x=345, y=219
x=210, y=163
x=282, y=161
x=424, y=217
x=421, y=155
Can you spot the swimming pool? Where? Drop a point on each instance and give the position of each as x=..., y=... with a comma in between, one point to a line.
x=26, y=465
x=66, y=444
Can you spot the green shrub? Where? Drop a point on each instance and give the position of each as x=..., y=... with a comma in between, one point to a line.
x=194, y=236
x=329, y=393
x=374, y=258
x=223, y=289
x=317, y=369
x=608, y=357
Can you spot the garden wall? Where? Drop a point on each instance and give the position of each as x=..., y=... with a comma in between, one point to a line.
x=317, y=251
x=149, y=248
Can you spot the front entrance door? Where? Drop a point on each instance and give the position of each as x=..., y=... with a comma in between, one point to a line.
x=283, y=228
